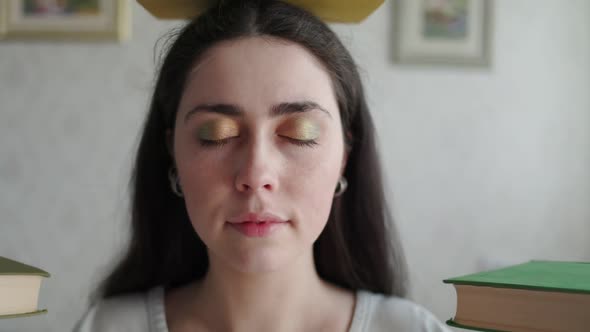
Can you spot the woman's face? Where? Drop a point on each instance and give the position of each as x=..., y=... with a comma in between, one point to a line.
x=258, y=131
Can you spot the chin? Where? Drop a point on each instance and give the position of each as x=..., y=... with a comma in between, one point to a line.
x=260, y=260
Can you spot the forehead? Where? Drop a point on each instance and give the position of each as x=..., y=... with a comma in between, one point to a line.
x=255, y=72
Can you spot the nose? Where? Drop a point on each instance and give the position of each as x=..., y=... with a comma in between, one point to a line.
x=256, y=171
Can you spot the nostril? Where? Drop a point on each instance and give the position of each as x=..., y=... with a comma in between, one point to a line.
x=246, y=186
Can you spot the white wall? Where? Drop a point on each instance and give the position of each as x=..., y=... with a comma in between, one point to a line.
x=486, y=166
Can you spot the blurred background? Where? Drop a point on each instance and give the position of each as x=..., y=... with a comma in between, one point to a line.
x=486, y=165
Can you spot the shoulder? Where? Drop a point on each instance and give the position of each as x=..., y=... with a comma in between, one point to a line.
x=121, y=313
x=391, y=313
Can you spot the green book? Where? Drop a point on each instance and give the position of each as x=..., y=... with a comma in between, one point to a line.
x=534, y=296
x=20, y=285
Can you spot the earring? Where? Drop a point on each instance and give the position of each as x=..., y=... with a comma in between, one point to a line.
x=341, y=186
x=174, y=182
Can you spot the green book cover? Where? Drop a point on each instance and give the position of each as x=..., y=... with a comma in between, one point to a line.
x=569, y=277
x=28, y=314
x=11, y=267
x=452, y=323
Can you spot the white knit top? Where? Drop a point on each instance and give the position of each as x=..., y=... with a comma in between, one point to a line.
x=144, y=312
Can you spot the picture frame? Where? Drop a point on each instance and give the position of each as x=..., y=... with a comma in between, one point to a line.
x=93, y=20
x=443, y=32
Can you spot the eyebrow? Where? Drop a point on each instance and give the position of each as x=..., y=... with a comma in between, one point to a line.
x=275, y=111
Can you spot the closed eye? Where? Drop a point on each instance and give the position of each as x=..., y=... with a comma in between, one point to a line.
x=299, y=142
x=214, y=143
x=222, y=142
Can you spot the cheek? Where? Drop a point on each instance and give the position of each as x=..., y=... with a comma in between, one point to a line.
x=316, y=210
x=204, y=189
x=200, y=173
x=313, y=192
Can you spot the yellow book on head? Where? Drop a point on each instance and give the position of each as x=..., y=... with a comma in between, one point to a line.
x=342, y=11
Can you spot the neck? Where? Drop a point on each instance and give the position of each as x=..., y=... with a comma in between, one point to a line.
x=271, y=301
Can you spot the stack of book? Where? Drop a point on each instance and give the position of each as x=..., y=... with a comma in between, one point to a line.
x=531, y=297
x=20, y=285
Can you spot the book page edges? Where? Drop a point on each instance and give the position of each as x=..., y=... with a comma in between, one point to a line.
x=20, y=294
x=522, y=310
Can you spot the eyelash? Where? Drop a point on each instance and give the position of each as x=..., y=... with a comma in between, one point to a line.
x=213, y=144
x=220, y=143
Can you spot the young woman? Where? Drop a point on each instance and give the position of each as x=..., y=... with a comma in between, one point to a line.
x=257, y=202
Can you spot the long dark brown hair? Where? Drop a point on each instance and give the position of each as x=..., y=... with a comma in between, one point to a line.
x=358, y=249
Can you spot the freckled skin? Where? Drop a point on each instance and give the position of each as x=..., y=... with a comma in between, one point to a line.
x=259, y=168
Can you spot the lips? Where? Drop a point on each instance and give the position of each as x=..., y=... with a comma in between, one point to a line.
x=254, y=224
x=254, y=217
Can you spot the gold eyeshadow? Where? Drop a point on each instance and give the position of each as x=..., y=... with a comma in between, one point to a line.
x=218, y=129
x=301, y=129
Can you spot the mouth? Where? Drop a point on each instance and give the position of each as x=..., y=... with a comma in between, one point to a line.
x=253, y=224
x=255, y=217
x=257, y=228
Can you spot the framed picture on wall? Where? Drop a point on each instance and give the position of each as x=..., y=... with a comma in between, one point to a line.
x=65, y=19
x=451, y=32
